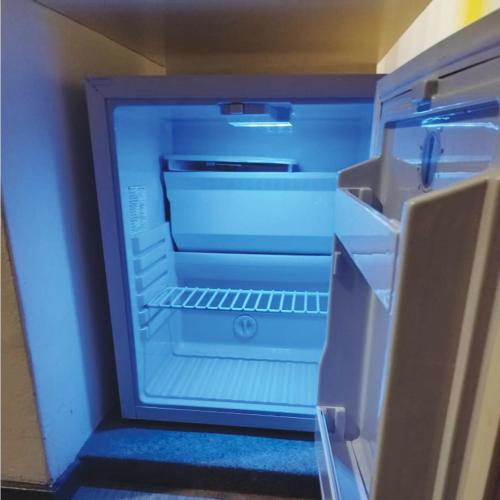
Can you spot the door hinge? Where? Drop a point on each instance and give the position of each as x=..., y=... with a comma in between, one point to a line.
x=423, y=92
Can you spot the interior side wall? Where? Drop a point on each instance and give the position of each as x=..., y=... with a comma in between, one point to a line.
x=53, y=227
x=141, y=140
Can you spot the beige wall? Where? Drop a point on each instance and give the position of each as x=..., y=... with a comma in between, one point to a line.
x=23, y=456
x=440, y=19
x=45, y=148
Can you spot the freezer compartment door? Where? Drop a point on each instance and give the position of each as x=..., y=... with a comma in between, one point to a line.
x=252, y=212
x=339, y=473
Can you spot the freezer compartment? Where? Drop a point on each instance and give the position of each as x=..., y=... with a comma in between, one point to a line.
x=271, y=212
x=216, y=163
x=239, y=344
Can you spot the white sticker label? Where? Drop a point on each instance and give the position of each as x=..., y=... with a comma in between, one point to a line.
x=138, y=208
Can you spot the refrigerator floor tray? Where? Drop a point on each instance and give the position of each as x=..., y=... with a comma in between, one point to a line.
x=289, y=385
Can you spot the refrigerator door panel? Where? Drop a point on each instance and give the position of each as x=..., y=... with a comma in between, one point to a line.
x=438, y=248
x=386, y=374
x=398, y=372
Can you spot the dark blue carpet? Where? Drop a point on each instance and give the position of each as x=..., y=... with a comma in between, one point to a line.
x=194, y=458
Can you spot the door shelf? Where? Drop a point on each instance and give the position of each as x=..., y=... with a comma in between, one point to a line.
x=371, y=239
x=228, y=299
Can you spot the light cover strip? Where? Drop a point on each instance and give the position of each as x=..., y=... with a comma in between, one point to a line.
x=260, y=124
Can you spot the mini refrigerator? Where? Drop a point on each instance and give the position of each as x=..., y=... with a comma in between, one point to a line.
x=314, y=253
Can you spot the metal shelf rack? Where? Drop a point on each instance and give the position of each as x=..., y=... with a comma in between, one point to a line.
x=228, y=299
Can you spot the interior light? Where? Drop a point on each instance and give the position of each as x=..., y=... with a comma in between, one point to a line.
x=260, y=124
x=489, y=125
x=254, y=114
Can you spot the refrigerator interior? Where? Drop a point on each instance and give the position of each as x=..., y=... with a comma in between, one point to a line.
x=228, y=222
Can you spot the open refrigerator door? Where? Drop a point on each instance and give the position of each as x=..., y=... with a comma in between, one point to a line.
x=416, y=260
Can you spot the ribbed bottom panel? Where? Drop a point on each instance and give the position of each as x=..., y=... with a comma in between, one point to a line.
x=236, y=380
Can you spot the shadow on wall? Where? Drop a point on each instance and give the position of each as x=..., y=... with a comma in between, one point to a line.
x=83, y=238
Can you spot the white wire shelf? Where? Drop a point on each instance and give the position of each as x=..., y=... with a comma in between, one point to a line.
x=228, y=299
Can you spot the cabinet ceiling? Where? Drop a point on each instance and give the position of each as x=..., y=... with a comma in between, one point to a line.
x=214, y=36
